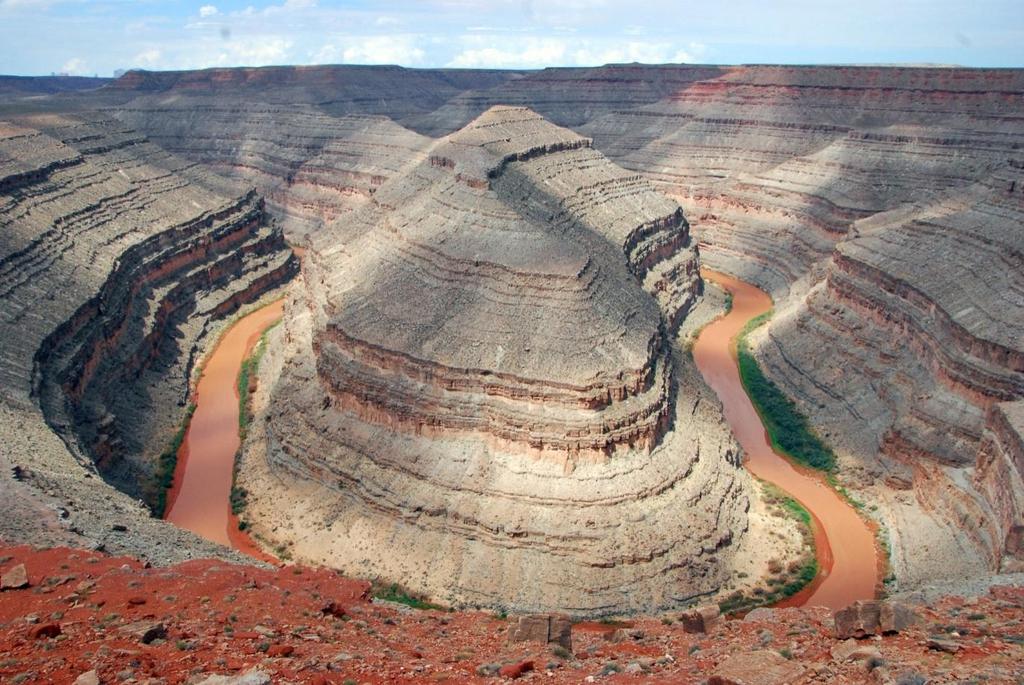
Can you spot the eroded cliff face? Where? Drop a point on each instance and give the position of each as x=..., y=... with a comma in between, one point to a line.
x=882, y=208
x=117, y=260
x=310, y=167
x=480, y=394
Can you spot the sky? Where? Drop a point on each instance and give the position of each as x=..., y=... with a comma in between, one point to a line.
x=98, y=37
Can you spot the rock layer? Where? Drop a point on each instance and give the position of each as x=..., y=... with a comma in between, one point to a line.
x=117, y=260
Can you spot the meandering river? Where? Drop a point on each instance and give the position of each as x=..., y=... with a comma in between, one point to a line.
x=847, y=557
x=200, y=498
x=846, y=549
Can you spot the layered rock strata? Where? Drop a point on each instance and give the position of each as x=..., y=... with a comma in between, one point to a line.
x=309, y=166
x=882, y=208
x=117, y=260
x=481, y=388
x=926, y=308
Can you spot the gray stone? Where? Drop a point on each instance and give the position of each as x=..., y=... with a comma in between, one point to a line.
x=88, y=678
x=14, y=578
x=145, y=631
x=252, y=677
x=760, y=667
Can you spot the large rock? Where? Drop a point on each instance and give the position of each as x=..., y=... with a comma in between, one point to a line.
x=702, y=619
x=250, y=677
x=542, y=628
x=14, y=578
x=759, y=667
x=863, y=618
x=483, y=363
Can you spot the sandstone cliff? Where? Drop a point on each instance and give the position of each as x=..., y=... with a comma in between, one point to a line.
x=882, y=208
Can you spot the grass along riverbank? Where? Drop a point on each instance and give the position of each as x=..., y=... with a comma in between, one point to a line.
x=788, y=429
x=167, y=463
x=247, y=375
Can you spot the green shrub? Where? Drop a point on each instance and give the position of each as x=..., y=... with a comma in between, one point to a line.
x=787, y=428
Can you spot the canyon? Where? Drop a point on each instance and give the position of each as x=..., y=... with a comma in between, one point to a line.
x=483, y=386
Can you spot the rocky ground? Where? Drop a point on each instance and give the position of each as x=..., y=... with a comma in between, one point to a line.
x=83, y=615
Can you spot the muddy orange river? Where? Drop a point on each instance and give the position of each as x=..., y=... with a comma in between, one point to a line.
x=846, y=550
x=200, y=498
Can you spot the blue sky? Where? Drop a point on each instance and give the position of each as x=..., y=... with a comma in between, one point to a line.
x=99, y=36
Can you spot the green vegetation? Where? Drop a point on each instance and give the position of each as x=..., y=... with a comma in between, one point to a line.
x=787, y=428
x=247, y=379
x=784, y=581
x=396, y=593
x=156, y=495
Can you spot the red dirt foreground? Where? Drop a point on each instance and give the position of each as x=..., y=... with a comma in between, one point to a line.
x=101, y=619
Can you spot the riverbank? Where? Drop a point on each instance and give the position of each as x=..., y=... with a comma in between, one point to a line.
x=845, y=543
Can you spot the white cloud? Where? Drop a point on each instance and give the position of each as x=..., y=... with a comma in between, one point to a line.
x=494, y=51
x=530, y=52
x=371, y=50
x=207, y=11
x=255, y=52
x=634, y=51
x=74, y=66
x=151, y=58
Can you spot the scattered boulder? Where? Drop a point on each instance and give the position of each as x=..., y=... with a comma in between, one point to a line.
x=543, y=628
x=145, y=631
x=759, y=667
x=488, y=670
x=863, y=618
x=253, y=677
x=851, y=650
x=515, y=670
x=15, y=578
x=940, y=645
x=626, y=635
x=88, y=678
x=761, y=614
x=703, y=619
x=334, y=609
x=859, y=619
x=45, y=630
x=280, y=650
x=895, y=617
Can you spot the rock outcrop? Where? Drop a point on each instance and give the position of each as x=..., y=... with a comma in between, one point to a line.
x=482, y=386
